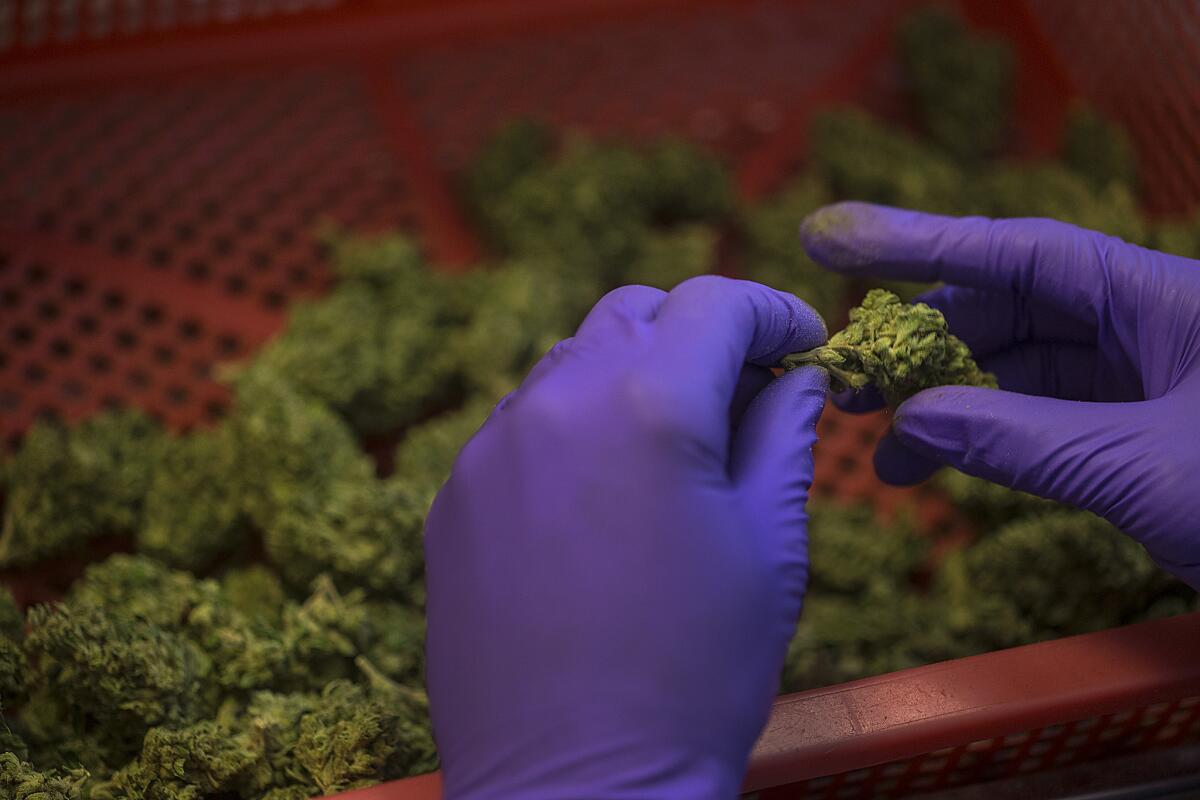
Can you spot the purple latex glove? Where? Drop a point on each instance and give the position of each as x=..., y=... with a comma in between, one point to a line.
x=1096, y=343
x=616, y=564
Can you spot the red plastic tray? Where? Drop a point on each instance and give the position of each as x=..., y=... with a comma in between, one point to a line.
x=162, y=171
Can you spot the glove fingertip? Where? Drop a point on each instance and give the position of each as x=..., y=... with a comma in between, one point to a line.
x=898, y=465
x=829, y=234
x=859, y=401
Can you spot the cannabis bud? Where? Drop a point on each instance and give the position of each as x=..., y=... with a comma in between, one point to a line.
x=900, y=348
x=19, y=780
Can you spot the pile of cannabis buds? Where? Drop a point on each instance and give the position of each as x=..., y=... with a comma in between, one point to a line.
x=264, y=638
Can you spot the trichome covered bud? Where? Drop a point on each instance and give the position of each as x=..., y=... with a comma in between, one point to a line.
x=20, y=780
x=66, y=485
x=899, y=348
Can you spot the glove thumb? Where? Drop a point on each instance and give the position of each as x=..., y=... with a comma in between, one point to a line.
x=1063, y=450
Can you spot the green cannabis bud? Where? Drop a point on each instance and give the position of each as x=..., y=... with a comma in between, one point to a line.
x=368, y=531
x=1177, y=237
x=515, y=313
x=356, y=735
x=384, y=262
x=516, y=149
x=255, y=591
x=283, y=745
x=988, y=504
x=862, y=613
x=1097, y=149
x=588, y=211
x=862, y=158
x=201, y=760
x=424, y=457
x=291, y=447
x=115, y=668
x=193, y=510
x=899, y=348
x=19, y=780
x=1053, y=574
x=13, y=666
x=370, y=353
x=667, y=258
x=961, y=82
x=1045, y=189
x=66, y=485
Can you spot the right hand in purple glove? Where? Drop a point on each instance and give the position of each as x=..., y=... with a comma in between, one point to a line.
x=1096, y=344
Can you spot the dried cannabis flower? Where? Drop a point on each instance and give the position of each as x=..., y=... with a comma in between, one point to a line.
x=193, y=510
x=1048, y=575
x=863, y=158
x=961, y=82
x=862, y=614
x=367, y=531
x=68, y=484
x=284, y=746
x=900, y=348
x=12, y=658
x=1098, y=149
x=19, y=780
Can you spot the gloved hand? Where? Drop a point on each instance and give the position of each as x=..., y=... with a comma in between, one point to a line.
x=1096, y=343
x=616, y=564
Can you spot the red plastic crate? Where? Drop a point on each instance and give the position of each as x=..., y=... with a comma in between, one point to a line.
x=163, y=165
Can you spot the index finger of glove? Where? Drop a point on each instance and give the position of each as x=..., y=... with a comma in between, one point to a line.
x=1060, y=265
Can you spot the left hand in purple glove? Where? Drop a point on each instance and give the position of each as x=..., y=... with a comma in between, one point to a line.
x=616, y=564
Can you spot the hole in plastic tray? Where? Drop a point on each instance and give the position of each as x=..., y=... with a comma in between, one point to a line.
x=99, y=363
x=214, y=410
x=112, y=300
x=61, y=348
x=48, y=310
x=151, y=315
x=138, y=379
x=228, y=344
x=190, y=329
x=273, y=298
x=933, y=764
x=74, y=287
x=22, y=335
x=37, y=273
x=35, y=373
x=86, y=324
x=125, y=339
x=235, y=284
x=164, y=354
x=198, y=270
x=177, y=394
x=160, y=257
